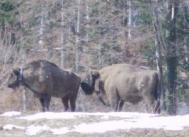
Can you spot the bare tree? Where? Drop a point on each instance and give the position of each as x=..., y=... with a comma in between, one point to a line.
x=129, y=3
x=62, y=35
x=77, y=50
x=171, y=57
x=87, y=20
x=42, y=25
x=159, y=44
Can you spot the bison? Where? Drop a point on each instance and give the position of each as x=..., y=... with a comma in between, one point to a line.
x=119, y=83
x=45, y=79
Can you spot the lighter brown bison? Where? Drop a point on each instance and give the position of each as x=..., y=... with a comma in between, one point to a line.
x=46, y=79
x=121, y=83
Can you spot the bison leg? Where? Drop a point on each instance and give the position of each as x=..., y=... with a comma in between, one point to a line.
x=120, y=105
x=114, y=101
x=72, y=103
x=45, y=102
x=157, y=107
x=65, y=103
x=151, y=105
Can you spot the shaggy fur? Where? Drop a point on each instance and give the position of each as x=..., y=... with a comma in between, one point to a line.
x=46, y=79
x=118, y=83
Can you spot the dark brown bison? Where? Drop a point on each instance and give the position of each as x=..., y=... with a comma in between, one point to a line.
x=121, y=83
x=46, y=79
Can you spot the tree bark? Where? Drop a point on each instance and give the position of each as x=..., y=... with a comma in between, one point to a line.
x=62, y=36
x=42, y=26
x=77, y=37
x=159, y=44
x=172, y=57
x=87, y=20
x=129, y=18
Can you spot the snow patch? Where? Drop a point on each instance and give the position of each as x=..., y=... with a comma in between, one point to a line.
x=100, y=127
x=48, y=115
x=60, y=131
x=125, y=121
x=11, y=114
x=11, y=127
x=34, y=130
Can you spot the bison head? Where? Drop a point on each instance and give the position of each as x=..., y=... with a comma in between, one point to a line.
x=88, y=84
x=92, y=83
x=14, y=79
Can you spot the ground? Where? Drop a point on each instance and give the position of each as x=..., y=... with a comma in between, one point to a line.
x=110, y=124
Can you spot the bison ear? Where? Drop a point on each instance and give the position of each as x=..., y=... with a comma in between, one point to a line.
x=16, y=71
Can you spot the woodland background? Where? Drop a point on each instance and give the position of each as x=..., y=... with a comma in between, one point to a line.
x=89, y=34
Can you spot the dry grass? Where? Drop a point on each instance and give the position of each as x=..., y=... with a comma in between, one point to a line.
x=12, y=100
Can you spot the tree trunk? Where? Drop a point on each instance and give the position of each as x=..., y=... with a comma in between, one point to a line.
x=129, y=18
x=77, y=38
x=42, y=27
x=62, y=36
x=186, y=39
x=99, y=55
x=172, y=57
x=87, y=20
x=159, y=44
x=24, y=100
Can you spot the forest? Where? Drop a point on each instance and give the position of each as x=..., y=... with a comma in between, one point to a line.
x=89, y=34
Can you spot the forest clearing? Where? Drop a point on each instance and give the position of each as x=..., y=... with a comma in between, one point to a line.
x=85, y=36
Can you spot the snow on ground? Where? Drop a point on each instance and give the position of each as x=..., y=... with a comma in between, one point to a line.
x=11, y=127
x=70, y=115
x=11, y=114
x=48, y=115
x=126, y=121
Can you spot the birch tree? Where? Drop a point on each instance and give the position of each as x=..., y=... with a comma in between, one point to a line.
x=77, y=52
x=129, y=18
x=42, y=25
x=159, y=45
x=87, y=20
x=62, y=35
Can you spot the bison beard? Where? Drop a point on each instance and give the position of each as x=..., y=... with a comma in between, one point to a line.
x=125, y=83
x=87, y=88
